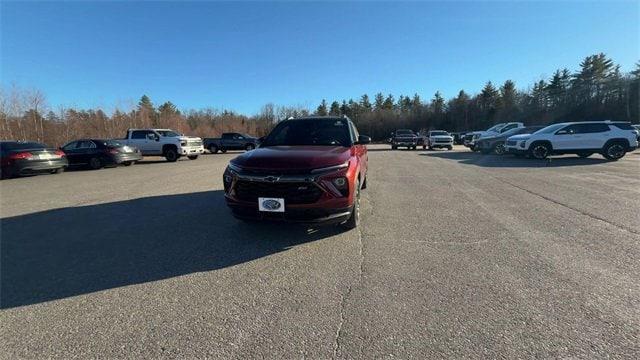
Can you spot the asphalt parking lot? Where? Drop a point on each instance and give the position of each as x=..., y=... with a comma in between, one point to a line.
x=459, y=255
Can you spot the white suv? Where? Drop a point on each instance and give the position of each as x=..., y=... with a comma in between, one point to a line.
x=612, y=139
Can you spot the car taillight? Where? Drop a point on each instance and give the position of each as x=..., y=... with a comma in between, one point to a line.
x=21, y=156
x=60, y=153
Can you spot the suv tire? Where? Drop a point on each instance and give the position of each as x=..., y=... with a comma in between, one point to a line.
x=614, y=150
x=95, y=163
x=354, y=219
x=192, y=157
x=539, y=150
x=171, y=155
x=499, y=149
x=213, y=149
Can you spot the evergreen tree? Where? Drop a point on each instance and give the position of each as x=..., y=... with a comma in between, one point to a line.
x=365, y=103
x=322, y=108
x=379, y=102
x=335, y=109
x=388, y=103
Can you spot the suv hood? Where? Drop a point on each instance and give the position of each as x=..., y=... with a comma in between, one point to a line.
x=519, y=137
x=442, y=137
x=293, y=157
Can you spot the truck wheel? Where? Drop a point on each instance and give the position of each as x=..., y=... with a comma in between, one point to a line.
x=171, y=155
x=95, y=163
x=450, y=147
x=249, y=147
x=499, y=149
x=213, y=149
x=354, y=219
x=192, y=157
x=614, y=150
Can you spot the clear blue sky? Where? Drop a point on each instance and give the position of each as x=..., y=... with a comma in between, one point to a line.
x=242, y=55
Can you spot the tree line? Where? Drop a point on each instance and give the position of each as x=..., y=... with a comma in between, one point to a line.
x=597, y=90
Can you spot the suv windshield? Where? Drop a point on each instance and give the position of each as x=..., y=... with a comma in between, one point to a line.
x=549, y=129
x=495, y=127
x=439, y=133
x=404, y=133
x=310, y=132
x=168, y=133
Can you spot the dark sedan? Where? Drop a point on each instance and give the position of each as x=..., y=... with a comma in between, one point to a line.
x=97, y=153
x=495, y=144
x=29, y=158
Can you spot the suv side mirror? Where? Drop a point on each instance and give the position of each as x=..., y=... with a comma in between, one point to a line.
x=363, y=140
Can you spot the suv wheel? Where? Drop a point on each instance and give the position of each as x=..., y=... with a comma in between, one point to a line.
x=539, y=151
x=500, y=149
x=171, y=155
x=192, y=157
x=213, y=149
x=95, y=163
x=585, y=154
x=614, y=151
x=354, y=219
x=249, y=147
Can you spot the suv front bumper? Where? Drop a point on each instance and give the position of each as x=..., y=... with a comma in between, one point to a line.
x=298, y=214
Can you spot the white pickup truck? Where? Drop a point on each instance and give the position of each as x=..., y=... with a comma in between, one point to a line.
x=164, y=142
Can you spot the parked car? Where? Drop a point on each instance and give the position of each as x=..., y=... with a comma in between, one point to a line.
x=612, y=139
x=404, y=138
x=97, y=153
x=438, y=139
x=164, y=142
x=492, y=131
x=637, y=127
x=497, y=144
x=29, y=158
x=308, y=170
x=230, y=141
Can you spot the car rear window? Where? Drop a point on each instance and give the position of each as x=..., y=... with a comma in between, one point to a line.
x=22, y=146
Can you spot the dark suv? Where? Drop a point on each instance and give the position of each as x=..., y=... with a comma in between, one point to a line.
x=308, y=170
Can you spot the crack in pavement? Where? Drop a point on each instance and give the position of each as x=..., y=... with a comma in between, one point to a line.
x=581, y=212
x=347, y=294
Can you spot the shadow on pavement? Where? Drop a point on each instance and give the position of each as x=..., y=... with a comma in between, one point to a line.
x=65, y=252
x=508, y=161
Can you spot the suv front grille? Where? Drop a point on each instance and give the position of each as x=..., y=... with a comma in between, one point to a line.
x=291, y=192
x=194, y=143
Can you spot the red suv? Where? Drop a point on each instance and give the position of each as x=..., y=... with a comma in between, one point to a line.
x=308, y=170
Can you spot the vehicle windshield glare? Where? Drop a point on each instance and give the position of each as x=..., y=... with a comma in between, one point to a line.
x=168, y=133
x=323, y=132
x=549, y=129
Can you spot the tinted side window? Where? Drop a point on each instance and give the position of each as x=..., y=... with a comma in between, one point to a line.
x=140, y=134
x=594, y=128
x=227, y=136
x=571, y=129
x=70, y=146
x=623, y=126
